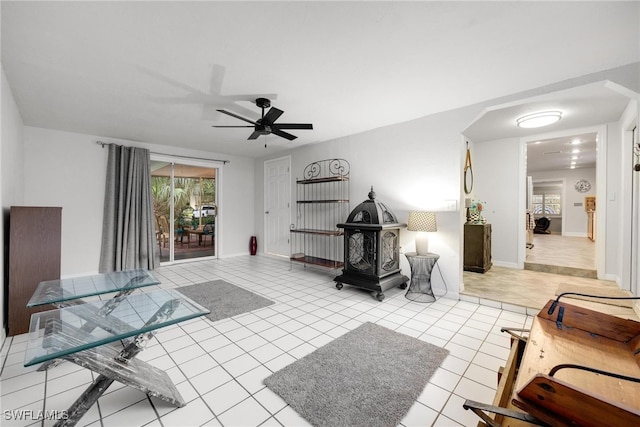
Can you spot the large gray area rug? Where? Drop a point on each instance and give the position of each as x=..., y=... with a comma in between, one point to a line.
x=368, y=377
x=224, y=299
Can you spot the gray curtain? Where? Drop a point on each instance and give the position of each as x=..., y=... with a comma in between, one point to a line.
x=128, y=230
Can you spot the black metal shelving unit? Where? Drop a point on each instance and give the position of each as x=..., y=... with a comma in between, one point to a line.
x=322, y=202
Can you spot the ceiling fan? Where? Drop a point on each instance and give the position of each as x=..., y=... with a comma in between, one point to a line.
x=266, y=124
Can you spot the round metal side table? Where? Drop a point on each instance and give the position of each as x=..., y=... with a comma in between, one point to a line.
x=421, y=267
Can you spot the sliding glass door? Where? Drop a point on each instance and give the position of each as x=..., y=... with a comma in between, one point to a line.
x=185, y=208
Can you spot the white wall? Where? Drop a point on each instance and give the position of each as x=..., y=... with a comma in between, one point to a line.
x=68, y=170
x=11, y=180
x=412, y=166
x=574, y=217
x=496, y=183
x=610, y=231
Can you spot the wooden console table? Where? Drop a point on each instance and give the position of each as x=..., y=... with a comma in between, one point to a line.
x=577, y=367
x=83, y=332
x=477, y=248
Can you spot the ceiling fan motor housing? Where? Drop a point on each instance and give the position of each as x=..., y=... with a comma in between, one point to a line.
x=263, y=103
x=262, y=129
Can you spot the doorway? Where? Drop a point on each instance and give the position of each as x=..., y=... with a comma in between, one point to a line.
x=493, y=134
x=562, y=171
x=185, y=209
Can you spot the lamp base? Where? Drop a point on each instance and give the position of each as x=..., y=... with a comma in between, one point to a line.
x=422, y=244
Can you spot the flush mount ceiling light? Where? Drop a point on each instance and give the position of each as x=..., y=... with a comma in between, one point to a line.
x=536, y=120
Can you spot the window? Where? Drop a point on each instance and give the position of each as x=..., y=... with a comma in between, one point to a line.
x=546, y=202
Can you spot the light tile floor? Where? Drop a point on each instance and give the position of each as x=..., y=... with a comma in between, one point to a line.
x=529, y=290
x=566, y=251
x=219, y=366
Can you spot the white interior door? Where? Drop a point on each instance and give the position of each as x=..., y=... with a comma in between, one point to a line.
x=277, y=208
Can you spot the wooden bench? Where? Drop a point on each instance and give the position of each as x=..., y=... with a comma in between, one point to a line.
x=577, y=367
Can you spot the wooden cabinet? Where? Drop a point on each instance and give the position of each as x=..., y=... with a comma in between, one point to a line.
x=477, y=247
x=35, y=243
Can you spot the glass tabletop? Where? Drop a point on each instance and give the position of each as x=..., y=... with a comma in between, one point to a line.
x=56, y=291
x=57, y=333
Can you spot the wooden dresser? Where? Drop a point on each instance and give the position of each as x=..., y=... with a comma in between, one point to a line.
x=35, y=244
x=477, y=247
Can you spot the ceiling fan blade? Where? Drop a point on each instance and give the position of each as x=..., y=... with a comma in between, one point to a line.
x=283, y=134
x=293, y=125
x=271, y=116
x=255, y=135
x=240, y=126
x=228, y=113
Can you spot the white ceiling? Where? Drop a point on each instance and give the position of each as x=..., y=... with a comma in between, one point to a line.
x=157, y=71
x=583, y=106
x=567, y=152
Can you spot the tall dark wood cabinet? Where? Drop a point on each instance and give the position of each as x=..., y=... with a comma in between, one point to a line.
x=477, y=247
x=35, y=244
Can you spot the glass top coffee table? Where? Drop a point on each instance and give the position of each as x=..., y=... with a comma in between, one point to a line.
x=57, y=333
x=59, y=292
x=86, y=333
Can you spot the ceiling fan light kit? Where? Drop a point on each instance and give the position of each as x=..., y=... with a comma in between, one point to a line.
x=539, y=119
x=266, y=125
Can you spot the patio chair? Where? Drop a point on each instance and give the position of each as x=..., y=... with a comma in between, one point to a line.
x=162, y=231
x=207, y=230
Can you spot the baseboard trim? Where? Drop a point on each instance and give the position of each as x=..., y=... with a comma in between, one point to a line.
x=506, y=264
x=611, y=278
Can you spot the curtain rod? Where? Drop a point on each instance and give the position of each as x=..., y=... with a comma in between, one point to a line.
x=224, y=162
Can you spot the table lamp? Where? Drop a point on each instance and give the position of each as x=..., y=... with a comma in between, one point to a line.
x=422, y=222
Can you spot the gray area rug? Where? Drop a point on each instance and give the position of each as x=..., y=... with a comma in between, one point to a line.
x=368, y=377
x=224, y=299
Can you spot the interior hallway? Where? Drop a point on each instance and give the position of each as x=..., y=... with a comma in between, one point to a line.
x=548, y=265
x=571, y=256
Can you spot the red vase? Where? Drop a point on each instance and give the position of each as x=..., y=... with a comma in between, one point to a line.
x=253, y=245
